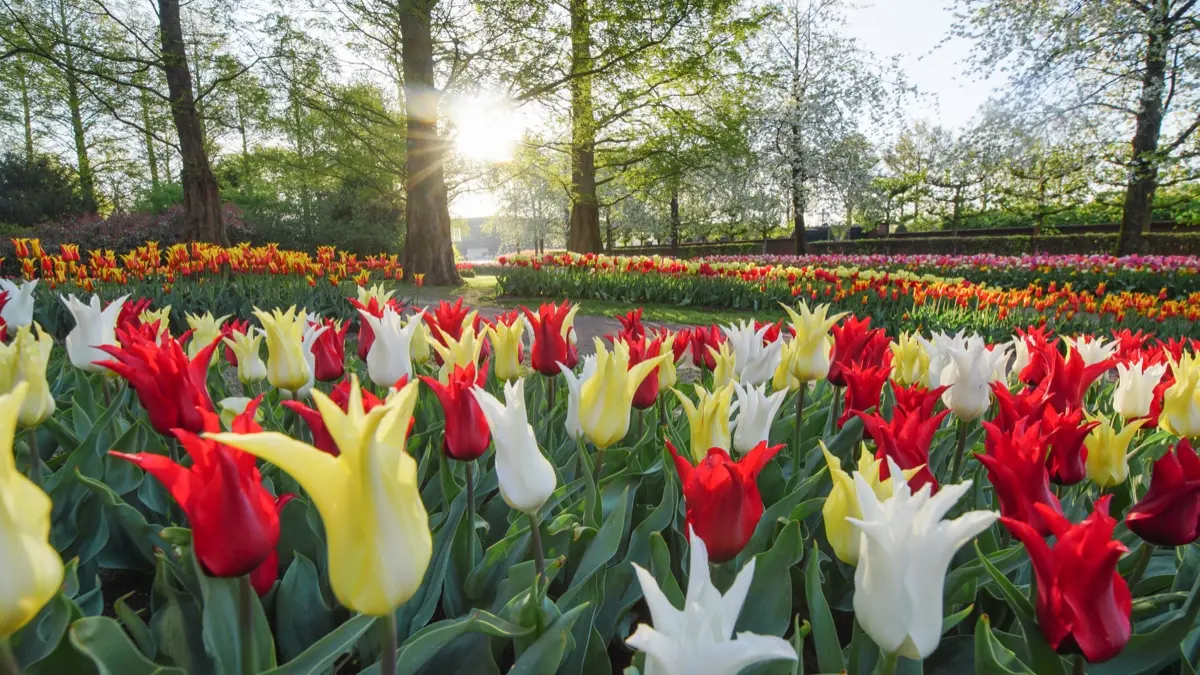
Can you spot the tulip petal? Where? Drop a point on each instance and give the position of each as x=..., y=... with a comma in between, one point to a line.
x=317, y=472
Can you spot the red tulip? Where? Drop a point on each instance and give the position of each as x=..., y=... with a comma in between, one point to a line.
x=640, y=350
x=631, y=326
x=234, y=522
x=131, y=312
x=550, y=347
x=1037, y=340
x=1070, y=377
x=1064, y=432
x=173, y=390
x=774, y=332
x=721, y=496
x=855, y=342
x=263, y=577
x=330, y=351
x=1128, y=341
x=864, y=387
x=1016, y=466
x=1082, y=602
x=916, y=400
x=683, y=340
x=700, y=339
x=906, y=439
x=467, y=434
x=1027, y=406
x=322, y=440
x=1169, y=513
x=447, y=319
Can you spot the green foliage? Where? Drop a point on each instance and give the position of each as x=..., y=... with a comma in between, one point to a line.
x=38, y=190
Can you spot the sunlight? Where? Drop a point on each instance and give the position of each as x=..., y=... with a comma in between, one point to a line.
x=487, y=129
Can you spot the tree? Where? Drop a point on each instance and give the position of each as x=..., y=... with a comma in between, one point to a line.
x=1127, y=63
x=36, y=191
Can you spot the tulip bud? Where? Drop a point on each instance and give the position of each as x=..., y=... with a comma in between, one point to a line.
x=754, y=360
x=606, y=398
x=723, y=364
x=506, y=349
x=287, y=365
x=526, y=477
x=910, y=361
x=205, y=329
x=24, y=360
x=812, y=346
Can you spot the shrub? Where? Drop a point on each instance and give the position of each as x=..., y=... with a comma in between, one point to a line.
x=1158, y=243
x=36, y=191
x=125, y=231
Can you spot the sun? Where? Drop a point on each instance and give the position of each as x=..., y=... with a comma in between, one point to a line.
x=486, y=129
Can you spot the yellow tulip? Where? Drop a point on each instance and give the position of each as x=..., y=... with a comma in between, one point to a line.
x=506, y=349
x=246, y=347
x=418, y=348
x=668, y=375
x=376, y=526
x=723, y=367
x=205, y=329
x=606, y=398
x=24, y=360
x=1106, y=448
x=461, y=352
x=813, y=344
x=32, y=569
x=708, y=419
x=287, y=367
x=381, y=296
x=910, y=362
x=842, y=502
x=783, y=378
x=1181, y=401
x=161, y=315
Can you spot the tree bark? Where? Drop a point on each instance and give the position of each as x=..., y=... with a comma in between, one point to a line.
x=608, y=231
x=26, y=107
x=1143, y=173
x=675, y=222
x=148, y=136
x=584, y=233
x=428, y=248
x=87, y=178
x=201, y=195
x=798, y=207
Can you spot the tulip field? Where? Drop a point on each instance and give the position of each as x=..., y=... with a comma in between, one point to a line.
x=247, y=461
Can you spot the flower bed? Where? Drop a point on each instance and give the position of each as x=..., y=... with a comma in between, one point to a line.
x=436, y=492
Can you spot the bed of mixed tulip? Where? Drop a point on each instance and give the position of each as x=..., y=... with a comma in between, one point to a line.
x=427, y=490
x=899, y=298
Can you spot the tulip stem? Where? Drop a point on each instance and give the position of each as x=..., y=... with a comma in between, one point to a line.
x=539, y=560
x=246, y=623
x=387, y=663
x=1139, y=568
x=796, y=432
x=889, y=663
x=8, y=660
x=471, y=511
x=35, y=458
x=959, y=450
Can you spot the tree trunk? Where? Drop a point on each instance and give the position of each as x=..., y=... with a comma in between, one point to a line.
x=428, y=248
x=148, y=136
x=584, y=234
x=201, y=195
x=608, y=231
x=675, y=222
x=87, y=179
x=26, y=107
x=798, y=207
x=1143, y=174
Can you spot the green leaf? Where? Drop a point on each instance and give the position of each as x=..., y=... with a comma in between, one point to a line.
x=426, y=642
x=301, y=614
x=546, y=653
x=140, y=532
x=660, y=567
x=600, y=549
x=829, y=649
x=102, y=641
x=137, y=628
x=1148, y=653
x=223, y=634
x=769, y=600
x=991, y=657
x=1045, y=660
x=324, y=654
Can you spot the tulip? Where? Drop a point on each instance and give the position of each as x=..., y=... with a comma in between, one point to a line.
x=574, y=392
x=723, y=364
x=783, y=380
x=228, y=330
x=1106, y=448
x=855, y=343
x=94, y=328
x=1082, y=601
x=262, y=579
x=388, y=360
x=700, y=340
x=288, y=347
x=968, y=376
x=1135, y=388
x=1181, y=401
x=756, y=412
x=755, y=360
x=377, y=529
x=632, y=329
x=639, y=350
x=906, y=438
x=245, y=347
x=605, y=398
x=938, y=349
x=159, y=318
x=340, y=395
x=375, y=292
x=910, y=361
x=721, y=496
x=232, y=516
x=526, y=477
x=812, y=345
x=905, y=550
x=842, y=502
x=696, y=640
x=33, y=570
x=1065, y=433
x=329, y=349
x=1093, y=349
x=458, y=352
x=233, y=406
x=205, y=329
x=506, y=346
x=17, y=310
x=418, y=348
x=668, y=375
x=173, y=390
x=448, y=319
x=24, y=360
x=1169, y=513
x=1069, y=377
x=864, y=387
x=708, y=419
x=548, y=330
x=1028, y=406
x=466, y=434
x=1016, y=466
x=373, y=305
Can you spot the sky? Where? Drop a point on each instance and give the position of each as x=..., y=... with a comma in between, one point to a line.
x=914, y=30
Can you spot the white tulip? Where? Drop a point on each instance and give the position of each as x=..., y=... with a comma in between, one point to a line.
x=18, y=310
x=754, y=363
x=1135, y=388
x=390, y=355
x=970, y=371
x=526, y=477
x=575, y=392
x=905, y=549
x=938, y=348
x=94, y=327
x=697, y=639
x=1093, y=350
x=756, y=412
x=1022, y=356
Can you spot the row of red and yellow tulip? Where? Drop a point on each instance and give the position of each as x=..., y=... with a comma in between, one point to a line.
x=391, y=541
